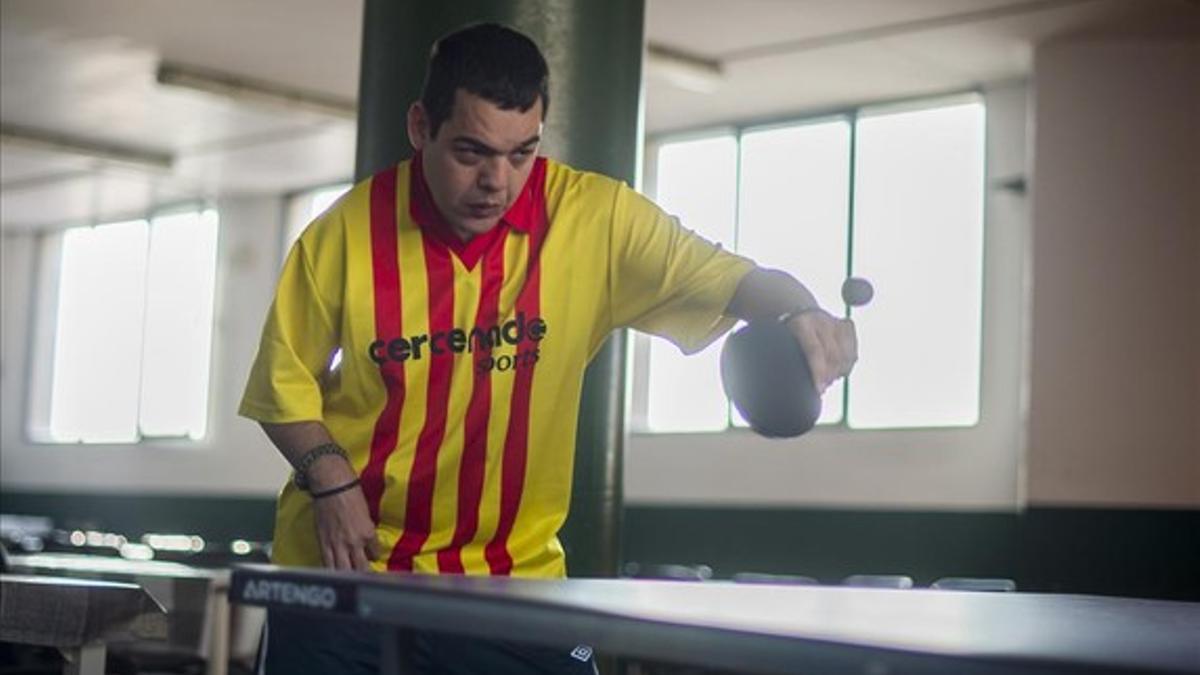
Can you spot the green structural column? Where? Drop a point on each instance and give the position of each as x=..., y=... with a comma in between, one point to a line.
x=594, y=49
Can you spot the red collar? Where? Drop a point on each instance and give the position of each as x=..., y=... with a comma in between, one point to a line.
x=522, y=216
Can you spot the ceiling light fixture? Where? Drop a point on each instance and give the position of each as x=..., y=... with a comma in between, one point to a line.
x=684, y=70
x=109, y=153
x=242, y=89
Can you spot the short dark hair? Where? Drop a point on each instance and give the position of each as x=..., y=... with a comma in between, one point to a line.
x=489, y=60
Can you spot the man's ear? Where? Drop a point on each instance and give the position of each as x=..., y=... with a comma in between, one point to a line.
x=418, y=126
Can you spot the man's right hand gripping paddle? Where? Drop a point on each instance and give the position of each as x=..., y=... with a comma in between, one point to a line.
x=766, y=369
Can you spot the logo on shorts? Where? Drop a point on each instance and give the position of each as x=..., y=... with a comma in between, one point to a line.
x=582, y=653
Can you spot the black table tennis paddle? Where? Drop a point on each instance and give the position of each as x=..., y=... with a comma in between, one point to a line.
x=767, y=376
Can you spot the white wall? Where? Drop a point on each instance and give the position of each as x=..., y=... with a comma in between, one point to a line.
x=1112, y=383
x=16, y=274
x=974, y=468
x=1115, y=393
x=235, y=458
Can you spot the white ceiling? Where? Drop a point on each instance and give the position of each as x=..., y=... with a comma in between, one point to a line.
x=85, y=72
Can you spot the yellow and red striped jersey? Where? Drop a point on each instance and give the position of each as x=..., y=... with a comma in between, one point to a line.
x=457, y=393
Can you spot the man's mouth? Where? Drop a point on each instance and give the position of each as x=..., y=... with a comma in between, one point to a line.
x=484, y=209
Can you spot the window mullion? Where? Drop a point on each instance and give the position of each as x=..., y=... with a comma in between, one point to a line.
x=141, y=375
x=737, y=232
x=850, y=211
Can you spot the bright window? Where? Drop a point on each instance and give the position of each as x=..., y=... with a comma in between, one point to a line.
x=895, y=195
x=793, y=212
x=918, y=235
x=178, y=327
x=697, y=181
x=132, y=331
x=306, y=206
x=98, y=350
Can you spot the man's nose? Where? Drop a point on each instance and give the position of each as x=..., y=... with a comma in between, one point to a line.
x=492, y=174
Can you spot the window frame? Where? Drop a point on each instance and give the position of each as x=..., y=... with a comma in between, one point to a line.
x=43, y=334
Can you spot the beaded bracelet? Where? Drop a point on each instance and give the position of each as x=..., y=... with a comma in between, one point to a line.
x=310, y=458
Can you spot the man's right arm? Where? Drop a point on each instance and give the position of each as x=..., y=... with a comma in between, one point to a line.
x=300, y=333
x=345, y=531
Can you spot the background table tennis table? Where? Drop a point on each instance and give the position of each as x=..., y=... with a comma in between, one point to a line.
x=760, y=628
x=198, y=616
x=77, y=616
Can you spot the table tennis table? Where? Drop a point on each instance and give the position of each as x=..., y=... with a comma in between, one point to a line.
x=758, y=628
x=77, y=616
x=196, y=599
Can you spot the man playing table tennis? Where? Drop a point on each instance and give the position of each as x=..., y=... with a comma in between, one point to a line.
x=466, y=289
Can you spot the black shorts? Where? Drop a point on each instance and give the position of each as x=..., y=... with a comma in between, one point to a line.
x=302, y=644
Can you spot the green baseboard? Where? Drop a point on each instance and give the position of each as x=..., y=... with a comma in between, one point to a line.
x=1128, y=552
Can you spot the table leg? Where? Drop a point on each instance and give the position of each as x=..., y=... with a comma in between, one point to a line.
x=395, y=651
x=85, y=660
x=218, y=631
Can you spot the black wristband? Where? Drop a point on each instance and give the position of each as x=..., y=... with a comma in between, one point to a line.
x=335, y=490
x=309, y=458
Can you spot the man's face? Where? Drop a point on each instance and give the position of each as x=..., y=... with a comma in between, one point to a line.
x=479, y=160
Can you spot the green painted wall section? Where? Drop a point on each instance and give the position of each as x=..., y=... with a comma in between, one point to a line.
x=1131, y=552
x=214, y=518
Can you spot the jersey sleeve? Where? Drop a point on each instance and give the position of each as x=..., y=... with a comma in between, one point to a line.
x=667, y=280
x=300, y=335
